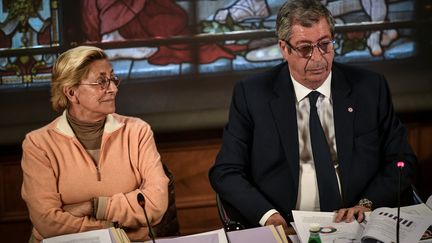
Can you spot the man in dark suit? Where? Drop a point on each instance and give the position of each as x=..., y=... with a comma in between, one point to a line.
x=310, y=134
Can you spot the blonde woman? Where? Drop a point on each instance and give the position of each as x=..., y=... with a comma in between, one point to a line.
x=83, y=171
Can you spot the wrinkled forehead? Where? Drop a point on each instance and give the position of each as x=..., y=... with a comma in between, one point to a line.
x=314, y=33
x=99, y=68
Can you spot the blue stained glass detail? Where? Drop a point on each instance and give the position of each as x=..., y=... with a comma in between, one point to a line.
x=212, y=17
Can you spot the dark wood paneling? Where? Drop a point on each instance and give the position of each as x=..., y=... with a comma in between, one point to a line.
x=195, y=199
x=12, y=207
x=198, y=219
x=15, y=225
x=420, y=137
x=15, y=232
x=189, y=159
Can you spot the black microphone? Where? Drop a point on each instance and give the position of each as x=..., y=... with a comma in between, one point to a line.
x=400, y=165
x=141, y=202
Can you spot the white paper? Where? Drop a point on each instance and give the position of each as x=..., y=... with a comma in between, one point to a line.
x=331, y=231
x=382, y=225
x=202, y=238
x=421, y=209
x=94, y=236
x=267, y=234
x=220, y=233
x=214, y=236
x=418, y=209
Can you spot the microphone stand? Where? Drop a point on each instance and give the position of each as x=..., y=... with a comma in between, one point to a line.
x=141, y=202
x=400, y=165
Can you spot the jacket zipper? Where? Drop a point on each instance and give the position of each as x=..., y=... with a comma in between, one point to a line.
x=96, y=163
x=98, y=172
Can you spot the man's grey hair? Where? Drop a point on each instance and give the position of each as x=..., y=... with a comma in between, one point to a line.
x=303, y=12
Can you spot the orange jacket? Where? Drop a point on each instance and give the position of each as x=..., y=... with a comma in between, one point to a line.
x=57, y=170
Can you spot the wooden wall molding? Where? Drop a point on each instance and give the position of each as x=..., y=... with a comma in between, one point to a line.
x=196, y=202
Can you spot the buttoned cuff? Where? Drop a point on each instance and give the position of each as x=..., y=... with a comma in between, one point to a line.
x=101, y=207
x=266, y=216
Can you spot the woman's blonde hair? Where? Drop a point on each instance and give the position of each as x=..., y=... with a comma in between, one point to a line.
x=69, y=69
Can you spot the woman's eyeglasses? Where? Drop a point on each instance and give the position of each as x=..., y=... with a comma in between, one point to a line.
x=306, y=50
x=104, y=82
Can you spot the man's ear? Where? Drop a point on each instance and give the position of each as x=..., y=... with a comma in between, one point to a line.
x=70, y=93
x=283, y=47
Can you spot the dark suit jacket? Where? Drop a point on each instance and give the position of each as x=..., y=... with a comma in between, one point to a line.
x=257, y=168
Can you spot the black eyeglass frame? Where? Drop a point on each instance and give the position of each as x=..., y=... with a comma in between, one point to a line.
x=312, y=48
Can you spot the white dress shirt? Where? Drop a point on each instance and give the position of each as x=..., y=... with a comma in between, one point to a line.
x=308, y=195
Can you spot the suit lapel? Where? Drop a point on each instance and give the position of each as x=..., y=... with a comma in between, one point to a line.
x=285, y=116
x=284, y=113
x=344, y=111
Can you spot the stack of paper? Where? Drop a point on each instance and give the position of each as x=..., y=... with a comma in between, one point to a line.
x=267, y=234
x=215, y=236
x=331, y=231
x=415, y=225
x=111, y=235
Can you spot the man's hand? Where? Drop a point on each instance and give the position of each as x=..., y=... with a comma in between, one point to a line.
x=276, y=219
x=349, y=214
x=79, y=209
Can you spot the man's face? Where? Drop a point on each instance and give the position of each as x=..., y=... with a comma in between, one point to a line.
x=311, y=70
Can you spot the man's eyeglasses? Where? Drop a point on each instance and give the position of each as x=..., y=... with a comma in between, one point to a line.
x=104, y=82
x=306, y=50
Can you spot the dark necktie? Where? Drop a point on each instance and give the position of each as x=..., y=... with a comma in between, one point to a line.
x=328, y=188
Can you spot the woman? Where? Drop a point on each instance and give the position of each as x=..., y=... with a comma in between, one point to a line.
x=83, y=171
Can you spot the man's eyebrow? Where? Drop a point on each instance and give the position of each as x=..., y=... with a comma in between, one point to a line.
x=309, y=42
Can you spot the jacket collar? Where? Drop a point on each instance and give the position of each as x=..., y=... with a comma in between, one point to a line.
x=62, y=126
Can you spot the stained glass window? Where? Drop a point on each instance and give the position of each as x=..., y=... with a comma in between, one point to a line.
x=151, y=40
x=24, y=25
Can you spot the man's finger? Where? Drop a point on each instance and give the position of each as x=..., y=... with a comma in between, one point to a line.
x=340, y=214
x=360, y=216
x=350, y=214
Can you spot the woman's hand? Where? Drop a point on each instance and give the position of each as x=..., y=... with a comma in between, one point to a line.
x=79, y=209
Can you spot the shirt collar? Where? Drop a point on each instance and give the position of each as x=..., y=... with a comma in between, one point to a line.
x=301, y=91
x=111, y=125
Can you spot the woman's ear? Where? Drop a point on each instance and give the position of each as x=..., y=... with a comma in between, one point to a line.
x=70, y=93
